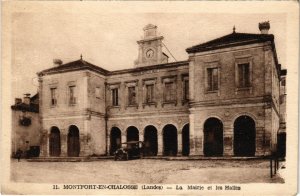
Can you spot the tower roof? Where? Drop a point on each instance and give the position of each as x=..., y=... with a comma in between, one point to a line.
x=149, y=26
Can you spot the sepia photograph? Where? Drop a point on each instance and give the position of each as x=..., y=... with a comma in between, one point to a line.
x=150, y=98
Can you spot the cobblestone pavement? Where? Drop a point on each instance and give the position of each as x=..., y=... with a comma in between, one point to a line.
x=144, y=171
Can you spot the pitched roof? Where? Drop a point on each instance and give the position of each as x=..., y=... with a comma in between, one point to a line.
x=233, y=39
x=73, y=66
x=81, y=65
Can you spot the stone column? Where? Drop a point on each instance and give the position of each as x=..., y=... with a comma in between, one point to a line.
x=179, y=143
x=141, y=136
x=44, y=144
x=84, y=145
x=267, y=132
x=192, y=134
x=159, y=51
x=63, y=143
x=123, y=137
x=159, y=143
x=191, y=77
x=228, y=140
x=259, y=141
x=108, y=144
x=199, y=137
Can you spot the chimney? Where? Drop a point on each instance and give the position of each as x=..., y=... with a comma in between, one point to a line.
x=27, y=98
x=18, y=101
x=264, y=27
x=57, y=62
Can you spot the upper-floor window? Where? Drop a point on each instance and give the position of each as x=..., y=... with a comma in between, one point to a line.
x=169, y=92
x=131, y=95
x=97, y=92
x=212, y=79
x=185, y=90
x=149, y=93
x=53, y=96
x=115, y=97
x=72, y=96
x=244, y=75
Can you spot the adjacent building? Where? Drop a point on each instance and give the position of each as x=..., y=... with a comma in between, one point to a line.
x=26, y=125
x=223, y=101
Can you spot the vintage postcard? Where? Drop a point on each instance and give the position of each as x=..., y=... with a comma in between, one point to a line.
x=149, y=98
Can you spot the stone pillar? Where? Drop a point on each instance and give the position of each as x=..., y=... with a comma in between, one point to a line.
x=159, y=52
x=141, y=136
x=179, y=143
x=84, y=145
x=123, y=137
x=267, y=132
x=199, y=138
x=192, y=134
x=191, y=77
x=108, y=144
x=63, y=143
x=159, y=143
x=259, y=141
x=44, y=144
x=228, y=140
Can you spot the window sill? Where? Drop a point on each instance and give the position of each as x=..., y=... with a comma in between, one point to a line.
x=169, y=102
x=132, y=106
x=243, y=89
x=149, y=104
x=211, y=91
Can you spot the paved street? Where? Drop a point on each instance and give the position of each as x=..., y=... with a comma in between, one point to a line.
x=144, y=171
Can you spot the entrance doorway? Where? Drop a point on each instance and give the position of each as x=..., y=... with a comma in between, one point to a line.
x=213, y=137
x=150, y=141
x=244, y=136
x=54, y=142
x=115, y=139
x=170, y=140
x=73, y=141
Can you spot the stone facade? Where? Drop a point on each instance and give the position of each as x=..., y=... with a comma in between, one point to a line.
x=25, y=124
x=260, y=100
x=222, y=101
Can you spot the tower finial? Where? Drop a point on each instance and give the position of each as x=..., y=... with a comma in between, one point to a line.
x=233, y=28
x=80, y=56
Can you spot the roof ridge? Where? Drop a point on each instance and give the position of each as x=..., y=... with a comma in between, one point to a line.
x=230, y=39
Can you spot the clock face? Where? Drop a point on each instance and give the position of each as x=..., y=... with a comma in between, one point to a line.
x=149, y=53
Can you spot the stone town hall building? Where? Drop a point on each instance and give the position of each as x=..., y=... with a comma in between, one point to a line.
x=223, y=101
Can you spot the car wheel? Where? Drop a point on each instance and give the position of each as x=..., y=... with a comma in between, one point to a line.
x=126, y=157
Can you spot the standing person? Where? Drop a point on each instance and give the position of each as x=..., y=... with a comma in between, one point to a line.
x=19, y=154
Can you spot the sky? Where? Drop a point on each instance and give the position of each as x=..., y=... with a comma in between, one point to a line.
x=109, y=40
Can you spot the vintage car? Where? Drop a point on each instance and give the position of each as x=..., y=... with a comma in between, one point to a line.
x=130, y=150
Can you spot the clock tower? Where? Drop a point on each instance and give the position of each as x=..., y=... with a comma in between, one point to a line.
x=150, y=48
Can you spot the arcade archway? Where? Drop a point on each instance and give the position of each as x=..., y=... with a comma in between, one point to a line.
x=54, y=142
x=73, y=141
x=170, y=140
x=150, y=141
x=244, y=136
x=115, y=139
x=213, y=137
